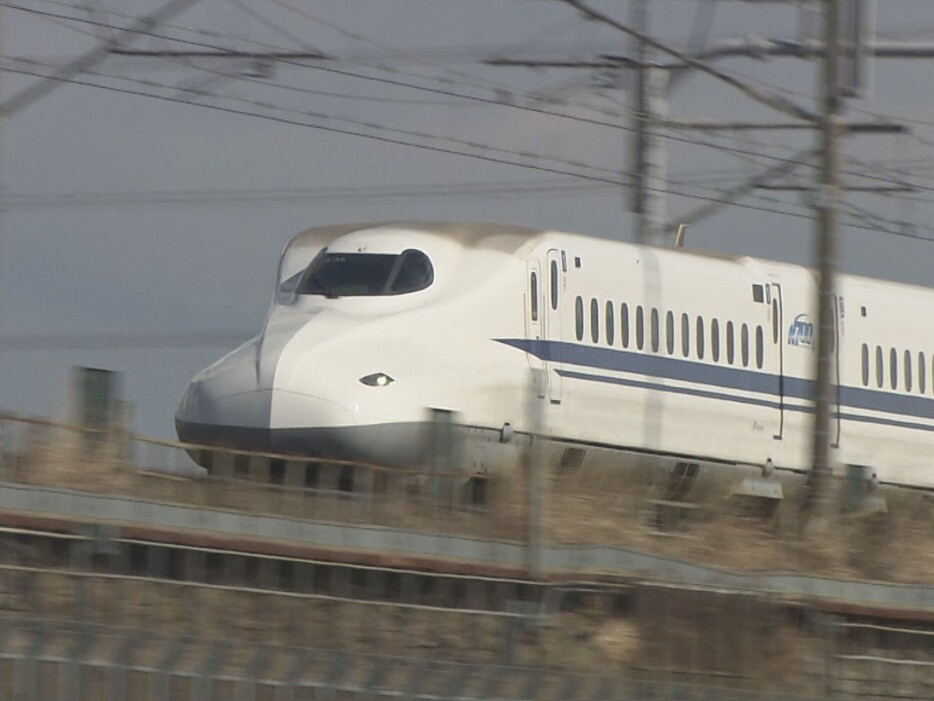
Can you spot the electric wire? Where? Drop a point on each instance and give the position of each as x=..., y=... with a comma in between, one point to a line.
x=223, y=51
x=776, y=102
x=483, y=100
x=447, y=92
x=252, y=197
x=427, y=147
x=27, y=343
x=501, y=103
x=384, y=139
x=341, y=130
x=696, y=142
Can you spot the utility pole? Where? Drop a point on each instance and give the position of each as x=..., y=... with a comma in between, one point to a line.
x=826, y=253
x=648, y=190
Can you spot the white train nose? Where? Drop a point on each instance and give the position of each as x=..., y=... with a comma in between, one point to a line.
x=200, y=405
x=224, y=407
x=234, y=402
x=242, y=420
x=230, y=392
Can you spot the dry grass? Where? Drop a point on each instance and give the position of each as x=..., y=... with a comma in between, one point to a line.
x=584, y=506
x=619, y=640
x=593, y=508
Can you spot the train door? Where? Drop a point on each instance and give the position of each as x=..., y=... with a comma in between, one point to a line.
x=534, y=313
x=554, y=303
x=779, y=349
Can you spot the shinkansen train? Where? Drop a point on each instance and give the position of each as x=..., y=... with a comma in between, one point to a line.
x=379, y=333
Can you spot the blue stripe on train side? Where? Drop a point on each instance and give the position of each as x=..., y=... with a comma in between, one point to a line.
x=738, y=399
x=726, y=378
x=706, y=394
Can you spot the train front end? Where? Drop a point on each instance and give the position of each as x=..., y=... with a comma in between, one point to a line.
x=358, y=345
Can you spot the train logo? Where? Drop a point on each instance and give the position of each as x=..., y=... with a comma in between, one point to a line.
x=801, y=332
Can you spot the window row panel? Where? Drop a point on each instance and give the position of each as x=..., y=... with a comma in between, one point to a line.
x=750, y=348
x=878, y=365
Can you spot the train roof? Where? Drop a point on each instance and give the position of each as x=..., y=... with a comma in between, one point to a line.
x=508, y=238
x=513, y=238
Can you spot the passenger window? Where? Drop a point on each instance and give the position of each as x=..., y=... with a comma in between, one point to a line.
x=744, y=343
x=670, y=332
x=640, y=328
x=922, y=369
x=655, y=330
x=554, y=284
x=907, y=371
x=610, y=324
x=715, y=340
x=594, y=321
x=865, y=365
x=880, y=370
x=533, y=294
x=624, y=324
x=700, y=338
x=893, y=370
x=579, y=318
x=730, y=350
x=760, y=349
x=685, y=335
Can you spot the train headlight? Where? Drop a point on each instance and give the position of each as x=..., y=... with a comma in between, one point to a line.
x=377, y=379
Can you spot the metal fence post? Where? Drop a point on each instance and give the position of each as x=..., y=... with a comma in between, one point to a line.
x=169, y=663
x=300, y=663
x=208, y=672
x=78, y=652
x=829, y=624
x=417, y=678
x=121, y=666
x=246, y=690
x=6, y=451
x=29, y=681
x=336, y=674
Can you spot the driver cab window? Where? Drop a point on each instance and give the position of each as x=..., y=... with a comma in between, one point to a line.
x=366, y=274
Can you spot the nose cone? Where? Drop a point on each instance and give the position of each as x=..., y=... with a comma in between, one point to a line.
x=235, y=404
x=225, y=402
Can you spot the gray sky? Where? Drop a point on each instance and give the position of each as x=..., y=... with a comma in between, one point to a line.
x=119, y=268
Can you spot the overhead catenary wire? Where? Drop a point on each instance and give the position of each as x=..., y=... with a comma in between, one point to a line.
x=776, y=102
x=717, y=199
x=254, y=196
x=98, y=53
x=121, y=341
x=502, y=161
x=305, y=13
x=596, y=176
x=222, y=51
x=474, y=81
x=384, y=139
x=303, y=113
x=689, y=141
x=480, y=99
